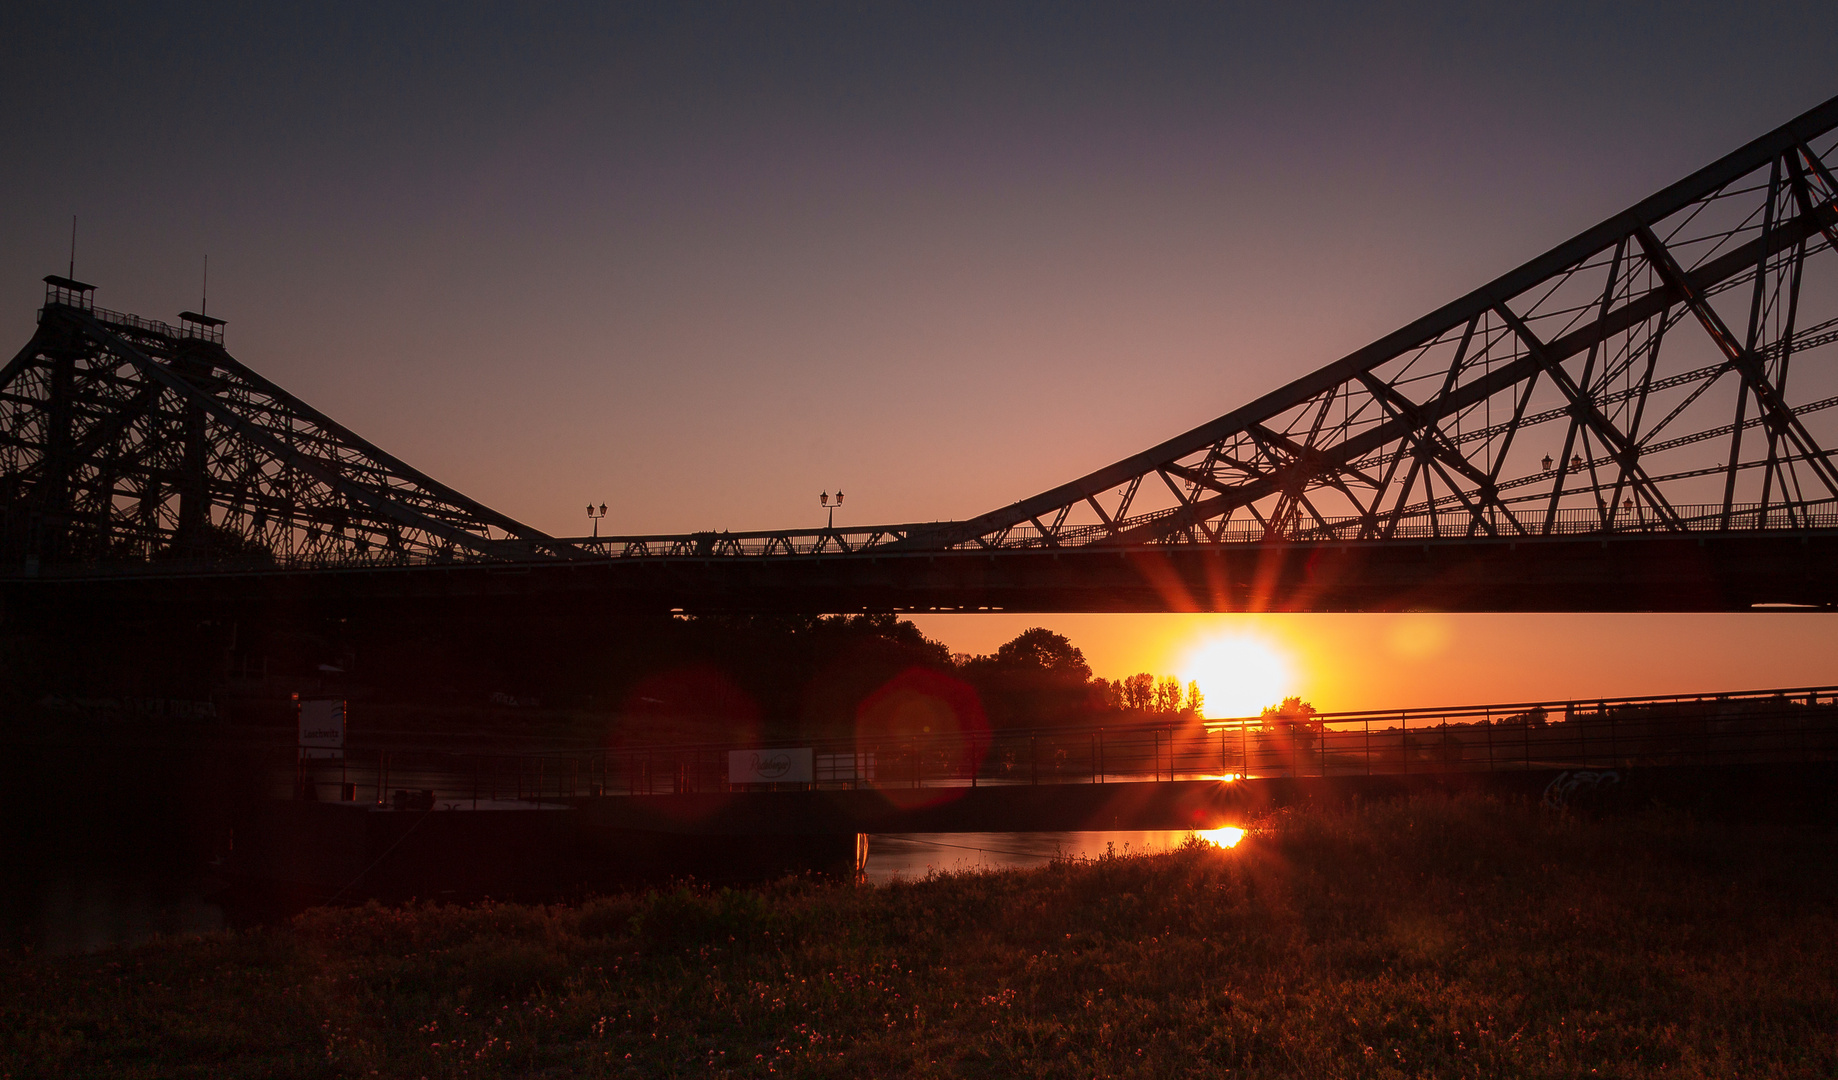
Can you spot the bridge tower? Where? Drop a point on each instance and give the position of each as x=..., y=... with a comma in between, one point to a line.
x=127, y=441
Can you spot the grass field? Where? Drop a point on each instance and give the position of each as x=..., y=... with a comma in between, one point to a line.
x=1457, y=937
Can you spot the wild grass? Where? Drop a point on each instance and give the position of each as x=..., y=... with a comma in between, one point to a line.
x=1432, y=937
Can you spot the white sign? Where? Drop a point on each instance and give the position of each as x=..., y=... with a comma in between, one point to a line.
x=322, y=728
x=769, y=766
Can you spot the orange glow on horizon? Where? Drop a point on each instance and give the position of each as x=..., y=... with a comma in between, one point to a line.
x=1340, y=662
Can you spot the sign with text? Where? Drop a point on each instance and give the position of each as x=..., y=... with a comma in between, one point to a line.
x=769, y=766
x=322, y=727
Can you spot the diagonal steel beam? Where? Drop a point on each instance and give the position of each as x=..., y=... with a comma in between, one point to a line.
x=1626, y=454
x=1802, y=191
x=1744, y=360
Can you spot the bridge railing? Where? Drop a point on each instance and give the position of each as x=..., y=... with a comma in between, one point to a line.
x=1692, y=519
x=1460, y=524
x=1758, y=727
x=1452, y=524
x=128, y=321
x=834, y=541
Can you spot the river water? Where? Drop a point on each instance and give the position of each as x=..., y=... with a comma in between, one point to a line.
x=911, y=856
x=85, y=905
x=99, y=847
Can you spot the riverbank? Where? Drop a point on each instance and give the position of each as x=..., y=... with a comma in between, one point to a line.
x=1430, y=936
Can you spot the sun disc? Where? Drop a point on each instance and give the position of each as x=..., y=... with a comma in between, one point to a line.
x=1239, y=675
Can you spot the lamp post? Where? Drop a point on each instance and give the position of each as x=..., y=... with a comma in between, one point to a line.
x=824, y=501
x=595, y=517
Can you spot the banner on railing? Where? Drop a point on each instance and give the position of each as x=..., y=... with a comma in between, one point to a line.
x=322, y=727
x=770, y=766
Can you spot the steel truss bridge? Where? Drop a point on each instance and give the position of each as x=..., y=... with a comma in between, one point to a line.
x=1638, y=419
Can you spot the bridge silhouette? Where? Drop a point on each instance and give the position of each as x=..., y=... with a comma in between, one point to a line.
x=1637, y=419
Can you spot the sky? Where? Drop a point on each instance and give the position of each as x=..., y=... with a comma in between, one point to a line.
x=701, y=262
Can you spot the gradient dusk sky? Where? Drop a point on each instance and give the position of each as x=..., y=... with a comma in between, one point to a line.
x=700, y=262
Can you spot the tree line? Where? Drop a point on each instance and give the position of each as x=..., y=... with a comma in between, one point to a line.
x=649, y=676
x=814, y=675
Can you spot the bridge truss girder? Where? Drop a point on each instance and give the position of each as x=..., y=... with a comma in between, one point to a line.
x=1670, y=370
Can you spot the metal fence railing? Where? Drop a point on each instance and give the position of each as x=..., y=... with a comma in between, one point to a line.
x=203, y=331
x=1695, y=519
x=1422, y=523
x=1771, y=726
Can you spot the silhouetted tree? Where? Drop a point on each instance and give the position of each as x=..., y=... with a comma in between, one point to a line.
x=804, y=676
x=1139, y=691
x=1106, y=696
x=1040, y=649
x=1294, y=717
x=1038, y=677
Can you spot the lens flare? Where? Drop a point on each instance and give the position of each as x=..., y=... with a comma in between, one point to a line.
x=1239, y=674
x=1226, y=837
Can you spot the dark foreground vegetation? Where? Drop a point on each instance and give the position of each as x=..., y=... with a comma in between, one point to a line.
x=1430, y=937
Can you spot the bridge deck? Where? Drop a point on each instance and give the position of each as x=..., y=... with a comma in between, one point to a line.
x=1727, y=571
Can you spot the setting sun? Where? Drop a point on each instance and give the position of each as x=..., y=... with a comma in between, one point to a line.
x=1225, y=837
x=1239, y=674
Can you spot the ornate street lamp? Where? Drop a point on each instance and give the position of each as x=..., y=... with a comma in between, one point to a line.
x=595, y=518
x=824, y=501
